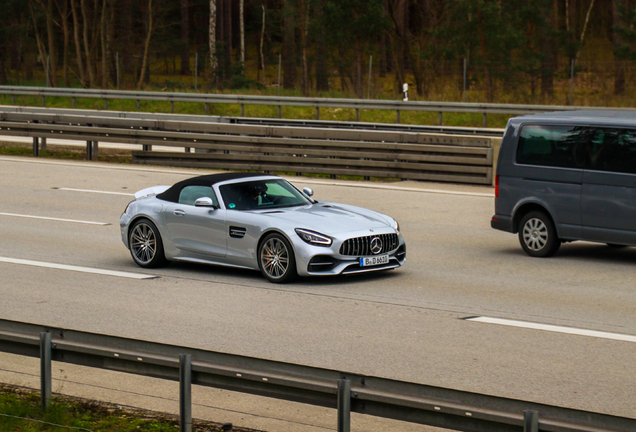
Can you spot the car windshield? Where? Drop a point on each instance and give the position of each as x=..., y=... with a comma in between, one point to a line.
x=262, y=194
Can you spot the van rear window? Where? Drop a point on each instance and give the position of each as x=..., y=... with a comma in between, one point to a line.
x=549, y=145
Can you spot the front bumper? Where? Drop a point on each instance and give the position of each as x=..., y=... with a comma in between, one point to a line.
x=327, y=261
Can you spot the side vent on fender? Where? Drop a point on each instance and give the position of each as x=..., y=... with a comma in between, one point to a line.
x=237, y=232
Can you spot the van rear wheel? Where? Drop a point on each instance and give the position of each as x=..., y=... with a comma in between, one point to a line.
x=537, y=235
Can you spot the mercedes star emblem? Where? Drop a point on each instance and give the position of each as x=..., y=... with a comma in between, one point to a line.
x=376, y=245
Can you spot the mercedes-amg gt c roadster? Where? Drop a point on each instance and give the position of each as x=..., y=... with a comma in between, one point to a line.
x=259, y=222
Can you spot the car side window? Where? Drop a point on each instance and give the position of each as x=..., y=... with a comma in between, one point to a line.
x=554, y=146
x=613, y=150
x=190, y=194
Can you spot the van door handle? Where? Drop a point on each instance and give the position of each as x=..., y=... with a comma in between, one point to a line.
x=179, y=213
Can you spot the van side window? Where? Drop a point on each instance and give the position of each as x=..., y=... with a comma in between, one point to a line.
x=553, y=146
x=612, y=150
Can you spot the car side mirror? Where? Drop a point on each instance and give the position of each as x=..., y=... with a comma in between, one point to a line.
x=308, y=191
x=204, y=202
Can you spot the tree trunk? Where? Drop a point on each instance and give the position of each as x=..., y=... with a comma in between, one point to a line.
x=547, y=61
x=185, y=38
x=126, y=40
x=41, y=48
x=587, y=20
x=66, y=32
x=289, y=45
x=144, y=63
x=90, y=67
x=78, y=46
x=304, y=15
x=322, y=72
x=227, y=26
x=242, y=30
x=261, y=55
x=619, y=63
x=50, y=32
x=214, y=66
x=103, y=43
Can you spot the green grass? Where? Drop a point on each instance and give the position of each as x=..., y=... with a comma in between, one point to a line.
x=21, y=411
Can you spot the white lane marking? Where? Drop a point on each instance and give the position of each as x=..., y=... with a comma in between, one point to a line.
x=77, y=268
x=93, y=191
x=291, y=180
x=54, y=219
x=555, y=328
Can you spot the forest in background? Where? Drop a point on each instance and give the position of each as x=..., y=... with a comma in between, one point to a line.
x=523, y=51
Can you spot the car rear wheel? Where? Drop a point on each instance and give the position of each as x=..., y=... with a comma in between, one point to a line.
x=537, y=235
x=276, y=259
x=146, y=246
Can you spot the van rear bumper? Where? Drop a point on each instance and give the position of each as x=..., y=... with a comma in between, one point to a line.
x=503, y=223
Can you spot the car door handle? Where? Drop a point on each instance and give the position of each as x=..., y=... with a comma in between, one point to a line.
x=179, y=213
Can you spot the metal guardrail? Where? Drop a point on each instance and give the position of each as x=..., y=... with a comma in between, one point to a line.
x=220, y=145
x=347, y=392
x=316, y=103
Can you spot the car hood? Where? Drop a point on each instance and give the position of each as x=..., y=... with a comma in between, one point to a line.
x=331, y=218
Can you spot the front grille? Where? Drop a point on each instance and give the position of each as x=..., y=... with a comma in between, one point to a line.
x=361, y=246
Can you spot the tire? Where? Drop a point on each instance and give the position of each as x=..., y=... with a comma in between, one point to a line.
x=145, y=245
x=537, y=235
x=276, y=259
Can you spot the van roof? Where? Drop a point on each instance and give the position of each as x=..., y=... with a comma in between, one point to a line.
x=611, y=116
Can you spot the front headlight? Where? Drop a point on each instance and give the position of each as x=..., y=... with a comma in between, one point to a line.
x=313, y=238
x=396, y=225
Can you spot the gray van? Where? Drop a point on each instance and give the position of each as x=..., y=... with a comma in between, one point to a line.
x=567, y=176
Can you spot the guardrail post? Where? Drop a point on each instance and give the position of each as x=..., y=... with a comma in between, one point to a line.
x=357, y=114
x=530, y=421
x=89, y=150
x=242, y=110
x=397, y=120
x=172, y=106
x=13, y=99
x=317, y=113
x=45, y=369
x=36, y=146
x=146, y=147
x=137, y=104
x=44, y=101
x=185, y=392
x=43, y=144
x=95, y=149
x=344, y=405
x=280, y=112
x=105, y=103
x=207, y=108
x=441, y=118
x=74, y=102
x=485, y=119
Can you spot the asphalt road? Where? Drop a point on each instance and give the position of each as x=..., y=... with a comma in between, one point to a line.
x=408, y=324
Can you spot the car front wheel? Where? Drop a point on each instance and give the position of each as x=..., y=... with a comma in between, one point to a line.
x=276, y=259
x=145, y=244
x=537, y=235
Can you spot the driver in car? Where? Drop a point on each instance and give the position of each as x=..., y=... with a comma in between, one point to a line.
x=255, y=194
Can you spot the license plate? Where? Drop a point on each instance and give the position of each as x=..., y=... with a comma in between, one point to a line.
x=373, y=261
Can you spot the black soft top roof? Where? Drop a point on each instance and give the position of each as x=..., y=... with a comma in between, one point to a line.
x=172, y=194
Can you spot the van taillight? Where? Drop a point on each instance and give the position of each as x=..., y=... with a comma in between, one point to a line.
x=497, y=186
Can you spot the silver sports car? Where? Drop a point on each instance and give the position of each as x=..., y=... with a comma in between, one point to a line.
x=259, y=222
